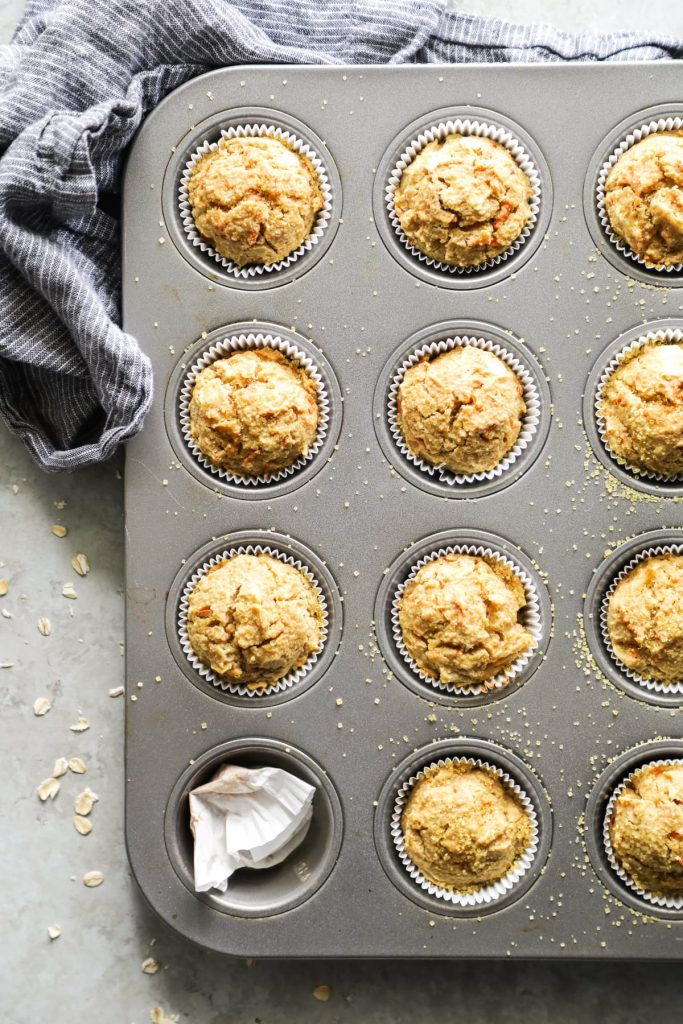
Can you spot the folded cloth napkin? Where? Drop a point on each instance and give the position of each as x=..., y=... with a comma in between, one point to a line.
x=75, y=85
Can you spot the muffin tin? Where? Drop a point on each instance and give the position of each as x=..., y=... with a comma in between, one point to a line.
x=359, y=514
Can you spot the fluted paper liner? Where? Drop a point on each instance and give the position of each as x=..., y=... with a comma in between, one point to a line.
x=482, y=129
x=649, y=684
x=664, y=124
x=530, y=420
x=670, y=902
x=224, y=349
x=531, y=613
x=297, y=674
x=246, y=818
x=665, y=337
x=251, y=131
x=489, y=893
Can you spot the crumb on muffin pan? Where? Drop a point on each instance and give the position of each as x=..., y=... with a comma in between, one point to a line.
x=405, y=515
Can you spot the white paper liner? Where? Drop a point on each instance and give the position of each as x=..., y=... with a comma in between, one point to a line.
x=531, y=614
x=664, y=124
x=670, y=902
x=246, y=818
x=481, y=129
x=669, y=336
x=295, y=143
x=487, y=894
x=296, y=675
x=649, y=684
x=240, y=343
x=530, y=419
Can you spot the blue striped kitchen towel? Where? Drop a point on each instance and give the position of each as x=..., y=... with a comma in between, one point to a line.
x=75, y=84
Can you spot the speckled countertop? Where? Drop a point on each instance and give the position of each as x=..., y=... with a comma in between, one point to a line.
x=93, y=970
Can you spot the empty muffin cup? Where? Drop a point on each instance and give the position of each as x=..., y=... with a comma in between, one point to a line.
x=621, y=358
x=486, y=894
x=529, y=421
x=291, y=141
x=652, y=685
x=242, y=343
x=634, y=136
x=295, y=675
x=464, y=127
x=661, y=900
x=531, y=620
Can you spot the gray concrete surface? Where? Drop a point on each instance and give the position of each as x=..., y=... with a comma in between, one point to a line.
x=93, y=970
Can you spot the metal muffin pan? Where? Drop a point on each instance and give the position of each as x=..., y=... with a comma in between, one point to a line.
x=358, y=726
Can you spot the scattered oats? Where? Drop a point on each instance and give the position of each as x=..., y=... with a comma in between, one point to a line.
x=48, y=789
x=6, y=613
x=81, y=564
x=59, y=530
x=81, y=725
x=156, y=1014
x=61, y=768
x=150, y=965
x=54, y=931
x=83, y=804
x=92, y=879
x=61, y=504
x=77, y=766
x=4, y=587
x=7, y=664
x=41, y=706
x=82, y=825
x=14, y=488
x=116, y=691
x=68, y=591
x=323, y=993
x=44, y=626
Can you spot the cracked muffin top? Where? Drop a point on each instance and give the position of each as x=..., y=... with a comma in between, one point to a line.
x=644, y=198
x=253, y=619
x=463, y=200
x=647, y=828
x=459, y=619
x=254, y=412
x=463, y=827
x=462, y=410
x=642, y=409
x=254, y=200
x=645, y=618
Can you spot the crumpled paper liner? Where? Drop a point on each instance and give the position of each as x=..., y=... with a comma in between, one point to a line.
x=661, y=337
x=531, y=620
x=246, y=817
x=319, y=225
x=670, y=902
x=489, y=893
x=208, y=674
x=530, y=419
x=240, y=343
x=483, y=130
x=664, y=124
x=649, y=684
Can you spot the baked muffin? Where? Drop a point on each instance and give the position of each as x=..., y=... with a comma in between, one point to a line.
x=646, y=828
x=459, y=619
x=462, y=410
x=645, y=618
x=644, y=198
x=642, y=409
x=463, y=200
x=254, y=412
x=253, y=619
x=254, y=200
x=464, y=828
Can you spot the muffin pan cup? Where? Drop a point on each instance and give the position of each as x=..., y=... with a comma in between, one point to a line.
x=242, y=343
x=360, y=723
x=621, y=351
x=249, y=131
x=485, y=895
x=478, y=129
